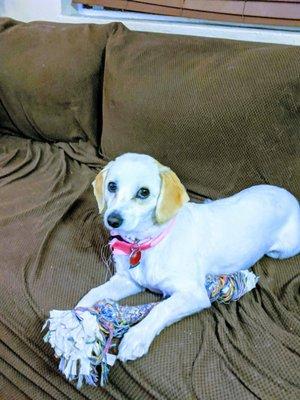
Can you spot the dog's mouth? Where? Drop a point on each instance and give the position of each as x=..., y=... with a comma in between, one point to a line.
x=118, y=237
x=114, y=234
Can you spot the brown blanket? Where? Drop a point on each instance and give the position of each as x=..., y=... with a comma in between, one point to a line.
x=51, y=234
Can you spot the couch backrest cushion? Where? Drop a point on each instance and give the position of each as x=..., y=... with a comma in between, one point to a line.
x=51, y=79
x=223, y=114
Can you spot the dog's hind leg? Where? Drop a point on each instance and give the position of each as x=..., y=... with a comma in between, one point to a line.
x=288, y=241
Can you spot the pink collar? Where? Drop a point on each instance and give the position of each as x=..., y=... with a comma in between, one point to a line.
x=133, y=249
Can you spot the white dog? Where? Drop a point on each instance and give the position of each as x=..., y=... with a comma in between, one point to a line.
x=181, y=242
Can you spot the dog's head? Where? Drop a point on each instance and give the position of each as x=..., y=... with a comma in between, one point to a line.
x=135, y=191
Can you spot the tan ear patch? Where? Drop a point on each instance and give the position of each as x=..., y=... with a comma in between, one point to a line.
x=98, y=185
x=172, y=195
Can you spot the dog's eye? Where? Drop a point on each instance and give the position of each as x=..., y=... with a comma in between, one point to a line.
x=143, y=193
x=112, y=187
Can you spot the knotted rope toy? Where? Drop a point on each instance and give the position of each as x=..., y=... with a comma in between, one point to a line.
x=84, y=338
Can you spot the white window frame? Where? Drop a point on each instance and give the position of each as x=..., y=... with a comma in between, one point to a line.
x=65, y=11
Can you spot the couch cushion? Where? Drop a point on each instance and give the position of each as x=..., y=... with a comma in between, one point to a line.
x=223, y=114
x=51, y=79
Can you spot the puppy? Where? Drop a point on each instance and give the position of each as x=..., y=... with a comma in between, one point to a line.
x=145, y=205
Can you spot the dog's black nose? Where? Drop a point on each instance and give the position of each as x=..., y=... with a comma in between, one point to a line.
x=114, y=220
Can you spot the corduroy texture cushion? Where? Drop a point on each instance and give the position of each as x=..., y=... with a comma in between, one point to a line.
x=51, y=79
x=50, y=241
x=223, y=114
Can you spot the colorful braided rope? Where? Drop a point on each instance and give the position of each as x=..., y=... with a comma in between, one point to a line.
x=83, y=338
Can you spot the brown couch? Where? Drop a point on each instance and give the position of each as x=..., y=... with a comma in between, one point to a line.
x=223, y=114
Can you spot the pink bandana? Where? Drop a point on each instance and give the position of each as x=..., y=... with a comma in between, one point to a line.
x=134, y=249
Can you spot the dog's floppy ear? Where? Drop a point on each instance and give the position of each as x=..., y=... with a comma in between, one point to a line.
x=98, y=185
x=172, y=195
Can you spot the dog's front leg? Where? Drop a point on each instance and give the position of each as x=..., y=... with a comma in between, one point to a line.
x=137, y=340
x=118, y=287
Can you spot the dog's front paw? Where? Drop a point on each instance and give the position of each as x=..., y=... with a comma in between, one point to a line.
x=134, y=344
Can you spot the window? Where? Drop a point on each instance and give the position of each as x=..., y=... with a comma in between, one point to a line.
x=277, y=12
